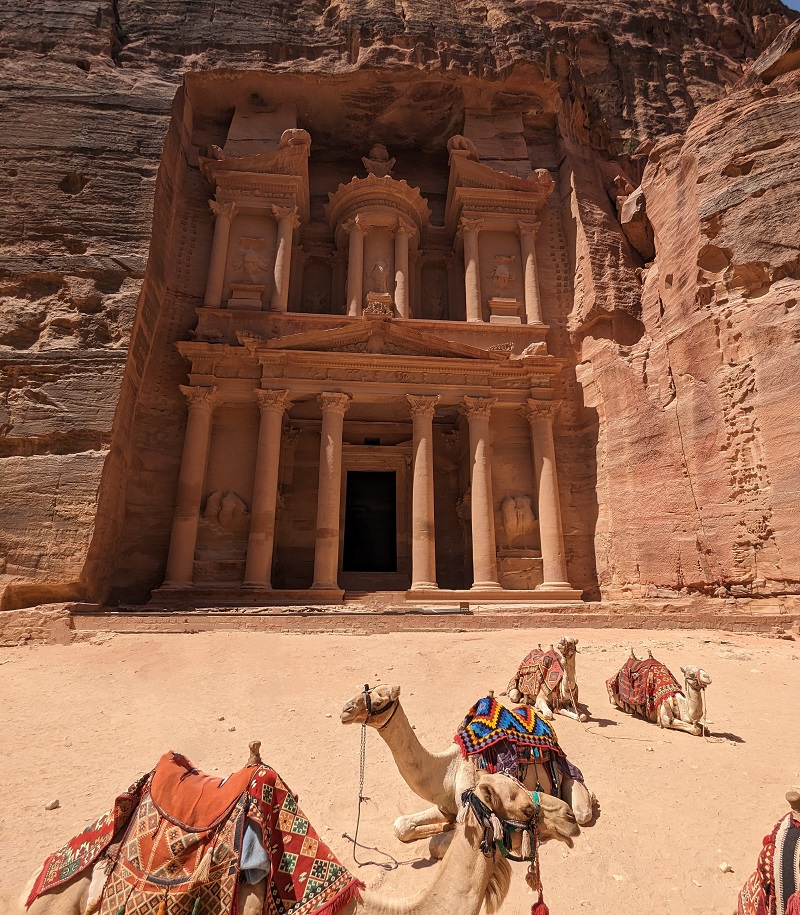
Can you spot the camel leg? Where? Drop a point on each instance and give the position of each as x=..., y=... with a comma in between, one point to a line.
x=568, y=713
x=543, y=708
x=677, y=725
x=421, y=825
x=579, y=798
x=438, y=845
x=251, y=898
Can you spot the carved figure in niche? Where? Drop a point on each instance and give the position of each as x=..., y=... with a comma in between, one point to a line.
x=380, y=276
x=313, y=302
x=460, y=142
x=384, y=309
x=225, y=523
x=501, y=274
x=543, y=178
x=252, y=262
x=378, y=163
x=519, y=522
x=294, y=136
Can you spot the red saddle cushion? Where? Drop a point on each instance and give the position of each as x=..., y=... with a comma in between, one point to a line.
x=192, y=799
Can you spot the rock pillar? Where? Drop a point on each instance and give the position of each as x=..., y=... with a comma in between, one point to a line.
x=423, y=530
x=287, y=222
x=224, y=213
x=484, y=552
x=261, y=542
x=326, y=553
x=401, y=278
x=472, y=280
x=196, y=441
x=527, y=241
x=355, y=267
x=540, y=415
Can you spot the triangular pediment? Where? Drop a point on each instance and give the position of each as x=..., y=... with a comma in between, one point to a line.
x=375, y=337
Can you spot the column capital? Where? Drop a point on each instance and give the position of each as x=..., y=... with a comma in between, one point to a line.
x=290, y=213
x=269, y=400
x=529, y=228
x=540, y=409
x=200, y=398
x=357, y=222
x=403, y=228
x=422, y=405
x=478, y=407
x=334, y=402
x=465, y=224
x=226, y=209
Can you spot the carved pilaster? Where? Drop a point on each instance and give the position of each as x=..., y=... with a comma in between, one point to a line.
x=290, y=214
x=200, y=398
x=540, y=409
x=334, y=402
x=421, y=405
x=275, y=401
x=225, y=209
x=478, y=407
x=529, y=228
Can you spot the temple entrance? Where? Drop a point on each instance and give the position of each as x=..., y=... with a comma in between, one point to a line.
x=370, y=522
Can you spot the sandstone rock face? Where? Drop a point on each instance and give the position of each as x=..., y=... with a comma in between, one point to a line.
x=672, y=455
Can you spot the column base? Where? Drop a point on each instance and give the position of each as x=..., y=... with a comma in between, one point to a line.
x=486, y=586
x=178, y=585
x=424, y=586
x=555, y=586
x=257, y=585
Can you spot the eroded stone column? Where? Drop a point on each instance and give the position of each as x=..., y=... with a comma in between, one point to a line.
x=423, y=529
x=288, y=221
x=484, y=552
x=401, y=278
x=196, y=442
x=527, y=241
x=472, y=281
x=326, y=553
x=224, y=213
x=540, y=415
x=261, y=542
x=355, y=267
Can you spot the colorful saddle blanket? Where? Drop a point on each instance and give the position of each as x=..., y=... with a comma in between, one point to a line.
x=540, y=668
x=488, y=724
x=774, y=887
x=643, y=685
x=181, y=844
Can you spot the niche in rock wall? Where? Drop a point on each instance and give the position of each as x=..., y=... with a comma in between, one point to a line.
x=317, y=293
x=251, y=258
x=434, y=300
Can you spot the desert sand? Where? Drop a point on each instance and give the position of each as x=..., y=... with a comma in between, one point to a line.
x=79, y=722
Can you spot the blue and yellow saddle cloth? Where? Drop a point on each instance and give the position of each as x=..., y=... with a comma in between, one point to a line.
x=490, y=731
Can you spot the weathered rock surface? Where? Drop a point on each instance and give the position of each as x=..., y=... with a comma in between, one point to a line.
x=93, y=96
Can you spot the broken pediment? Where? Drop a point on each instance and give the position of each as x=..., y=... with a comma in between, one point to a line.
x=379, y=336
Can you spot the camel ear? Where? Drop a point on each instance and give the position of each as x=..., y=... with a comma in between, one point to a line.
x=683, y=671
x=485, y=794
x=394, y=693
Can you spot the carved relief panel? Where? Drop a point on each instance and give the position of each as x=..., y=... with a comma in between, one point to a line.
x=250, y=265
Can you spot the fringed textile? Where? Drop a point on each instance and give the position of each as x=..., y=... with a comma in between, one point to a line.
x=540, y=668
x=774, y=887
x=643, y=686
x=488, y=723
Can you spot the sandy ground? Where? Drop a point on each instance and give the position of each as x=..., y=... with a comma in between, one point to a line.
x=79, y=722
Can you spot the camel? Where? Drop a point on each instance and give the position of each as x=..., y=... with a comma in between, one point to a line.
x=465, y=880
x=681, y=711
x=564, y=701
x=440, y=778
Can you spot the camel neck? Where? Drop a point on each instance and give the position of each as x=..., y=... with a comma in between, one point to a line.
x=463, y=875
x=694, y=701
x=424, y=772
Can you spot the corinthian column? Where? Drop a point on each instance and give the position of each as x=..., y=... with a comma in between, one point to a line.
x=261, y=542
x=527, y=241
x=224, y=213
x=196, y=441
x=540, y=415
x=472, y=282
x=287, y=222
x=326, y=553
x=484, y=552
x=355, y=267
x=423, y=529
x=401, y=278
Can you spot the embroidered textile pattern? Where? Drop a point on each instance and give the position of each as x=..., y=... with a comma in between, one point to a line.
x=540, y=668
x=488, y=723
x=768, y=890
x=643, y=686
x=87, y=847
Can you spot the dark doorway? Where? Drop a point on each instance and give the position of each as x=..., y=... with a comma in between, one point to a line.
x=370, y=522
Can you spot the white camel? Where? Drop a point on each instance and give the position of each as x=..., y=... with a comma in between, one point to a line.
x=463, y=882
x=682, y=711
x=441, y=777
x=564, y=701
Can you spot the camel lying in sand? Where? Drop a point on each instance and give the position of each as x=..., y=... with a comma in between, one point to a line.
x=441, y=777
x=646, y=687
x=465, y=880
x=529, y=684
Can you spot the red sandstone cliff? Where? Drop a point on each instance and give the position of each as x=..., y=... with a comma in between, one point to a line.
x=682, y=448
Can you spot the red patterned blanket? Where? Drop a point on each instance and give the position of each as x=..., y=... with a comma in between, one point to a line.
x=643, y=685
x=540, y=668
x=774, y=887
x=194, y=869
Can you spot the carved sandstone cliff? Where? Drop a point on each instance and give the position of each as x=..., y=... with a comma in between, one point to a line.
x=98, y=156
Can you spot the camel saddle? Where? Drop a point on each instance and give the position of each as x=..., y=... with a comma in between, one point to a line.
x=190, y=798
x=774, y=887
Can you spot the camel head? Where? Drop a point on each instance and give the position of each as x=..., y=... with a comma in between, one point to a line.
x=510, y=801
x=696, y=677
x=568, y=647
x=383, y=700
